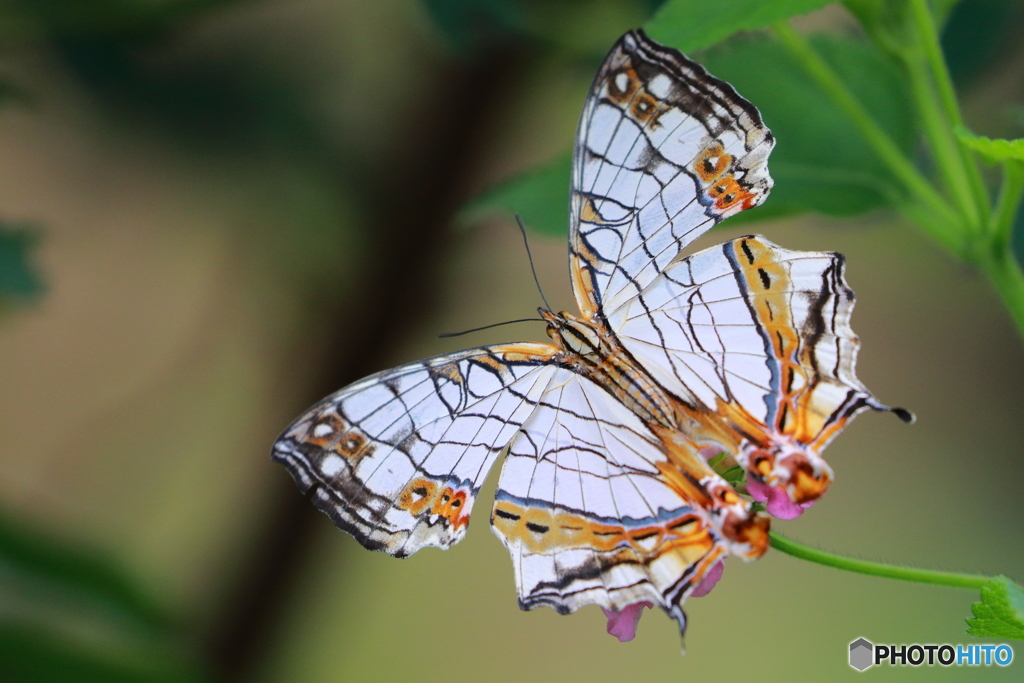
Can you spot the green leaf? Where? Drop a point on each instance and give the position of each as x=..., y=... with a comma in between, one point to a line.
x=696, y=24
x=67, y=615
x=17, y=276
x=820, y=162
x=586, y=28
x=715, y=461
x=978, y=36
x=540, y=197
x=888, y=22
x=993, y=151
x=735, y=475
x=1000, y=614
x=466, y=22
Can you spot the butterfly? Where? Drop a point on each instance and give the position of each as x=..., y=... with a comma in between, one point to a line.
x=605, y=495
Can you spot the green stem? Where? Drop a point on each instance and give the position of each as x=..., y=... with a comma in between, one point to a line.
x=890, y=571
x=1003, y=271
x=928, y=35
x=947, y=152
x=883, y=145
x=1001, y=223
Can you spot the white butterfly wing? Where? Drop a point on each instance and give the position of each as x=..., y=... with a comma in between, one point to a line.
x=664, y=151
x=759, y=335
x=586, y=513
x=750, y=323
x=397, y=459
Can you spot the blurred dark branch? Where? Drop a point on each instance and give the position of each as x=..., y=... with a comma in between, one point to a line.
x=411, y=201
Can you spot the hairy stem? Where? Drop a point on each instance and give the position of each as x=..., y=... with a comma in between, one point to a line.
x=889, y=571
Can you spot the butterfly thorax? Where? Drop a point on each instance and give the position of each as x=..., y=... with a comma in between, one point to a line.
x=591, y=350
x=587, y=347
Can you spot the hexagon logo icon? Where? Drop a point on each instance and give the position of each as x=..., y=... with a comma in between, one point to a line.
x=861, y=654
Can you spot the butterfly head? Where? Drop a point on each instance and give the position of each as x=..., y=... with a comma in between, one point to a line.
x=575, y=335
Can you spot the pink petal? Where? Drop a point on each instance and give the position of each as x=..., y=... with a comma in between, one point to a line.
x=778, y=502
x=757, y=490
x=709, y=580
x=622, y=623
x=709, y=452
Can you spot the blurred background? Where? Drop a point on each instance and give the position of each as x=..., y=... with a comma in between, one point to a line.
x=215, y=212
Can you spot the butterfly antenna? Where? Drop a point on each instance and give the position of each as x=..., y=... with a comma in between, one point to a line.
x=487, y=327
x=526, y=241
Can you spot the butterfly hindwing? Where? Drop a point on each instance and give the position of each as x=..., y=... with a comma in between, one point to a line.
x=760, y=335
x=397, y=458
x=586, y=513
x=664, y=151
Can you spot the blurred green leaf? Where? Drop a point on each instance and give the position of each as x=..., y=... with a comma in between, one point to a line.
x=109, y=17
x=977, y=34
x=69, y=616
x=735, y=475
x=1000, y=614
x=1017, y=240
x=467, y=22
x=17, y=276
x=820, y=161
x=887, y=22
x=994, y=151
x=714, y=462
x=11, y=93
x=690, y=25
x=579, y=26
x=540, y=197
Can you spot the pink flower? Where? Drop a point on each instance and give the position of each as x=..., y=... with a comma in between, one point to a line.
x=709, y=580
x=778, y=503
x=622, y=623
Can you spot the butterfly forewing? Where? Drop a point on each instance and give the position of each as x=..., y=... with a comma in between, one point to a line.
x=664, y=151
x=397, y=459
